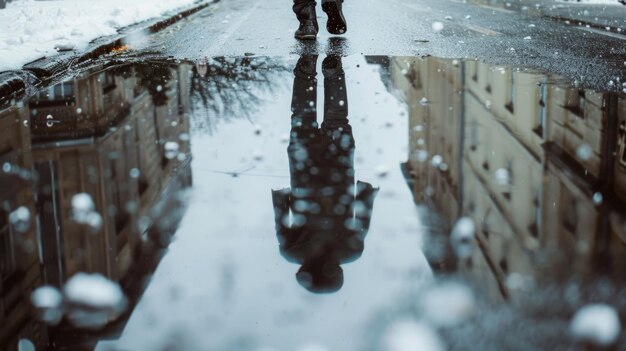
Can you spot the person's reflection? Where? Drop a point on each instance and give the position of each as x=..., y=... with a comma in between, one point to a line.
x=322, y=220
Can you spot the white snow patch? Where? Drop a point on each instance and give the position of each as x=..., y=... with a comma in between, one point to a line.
x=502, y=176
x=25, y=345
x=46, y=297
x=462, y=237
x=49, y=303
x=382, y=170
x=93, y=290
x=82, y=202
x=421, y=155
x=437, y=26
x=448, y=304
x=32, y=29
x=20, y=219
x=436, y=160
x=598, y=198
x=171, y=149
x=584, y=152
x=597, y=323
x=409, y=335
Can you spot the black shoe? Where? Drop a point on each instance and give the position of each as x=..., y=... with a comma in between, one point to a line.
x=307, y=31
x=336, y=21
x=306, y=66
x=308, y=23
x=332, y=67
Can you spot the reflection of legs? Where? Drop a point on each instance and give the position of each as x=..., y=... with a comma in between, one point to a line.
x=335, y=95
x=304, y=98
x=339, y=142
x=305, y=12
x=303, y=119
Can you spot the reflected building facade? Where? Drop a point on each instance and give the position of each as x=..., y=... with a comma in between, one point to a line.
x=538, y=165
x=120, y=135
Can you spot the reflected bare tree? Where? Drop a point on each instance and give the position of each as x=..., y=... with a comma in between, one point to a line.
x=228, y=88
x=154, y=78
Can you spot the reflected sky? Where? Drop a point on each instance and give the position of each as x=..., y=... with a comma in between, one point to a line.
x=499, y=189
x=248, y=290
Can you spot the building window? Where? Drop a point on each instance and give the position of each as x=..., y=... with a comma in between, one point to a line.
x=582, y=102
x=472, y=69
x=504, y=266
x=60, y=92
x=541, y=113
x=108, y=82
x=8, y=263
x=622, y=142
x=511, y=103
x=509, y=191
x=488, y=153
x=534, y=227
x=485, y=227
x=474, y=135
x=570, y=217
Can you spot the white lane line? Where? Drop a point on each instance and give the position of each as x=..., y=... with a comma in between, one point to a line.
x=480, y=29
x=602, y=32
x=415, y=8
x=499, y=9
x=225, y=37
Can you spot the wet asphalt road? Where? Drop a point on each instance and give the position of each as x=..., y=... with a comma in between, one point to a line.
x=401, y=27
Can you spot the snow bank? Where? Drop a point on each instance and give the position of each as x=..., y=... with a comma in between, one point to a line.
x=33, y=29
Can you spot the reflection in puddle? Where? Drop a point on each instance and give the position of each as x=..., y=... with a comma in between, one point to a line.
x=330, y=213
x=519, y=182
x=226, y=88
x=536, y=166
x=536, y=173
x=92, y=170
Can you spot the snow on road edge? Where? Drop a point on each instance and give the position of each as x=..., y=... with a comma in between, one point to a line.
x=33, y=29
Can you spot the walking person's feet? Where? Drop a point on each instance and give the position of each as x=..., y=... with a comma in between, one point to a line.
x=336, y=21
x=332, y=66
x=308, y=23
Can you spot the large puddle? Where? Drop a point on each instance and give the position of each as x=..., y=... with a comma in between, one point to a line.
x=313, y=203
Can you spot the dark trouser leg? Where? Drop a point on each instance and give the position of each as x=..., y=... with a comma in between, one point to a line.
x=304, y=128
x=304, y=98
x=298, y=5
x=335, y=94
x=337, y=132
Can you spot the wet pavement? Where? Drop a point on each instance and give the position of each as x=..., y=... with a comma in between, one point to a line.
x=313, y=202
x=498, y=32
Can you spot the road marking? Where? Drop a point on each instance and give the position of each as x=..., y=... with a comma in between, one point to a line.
x=415, y=8
x=479, y=29
x=499, y=9
x=493, y=8
x=223, y=39
x=602, y=32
